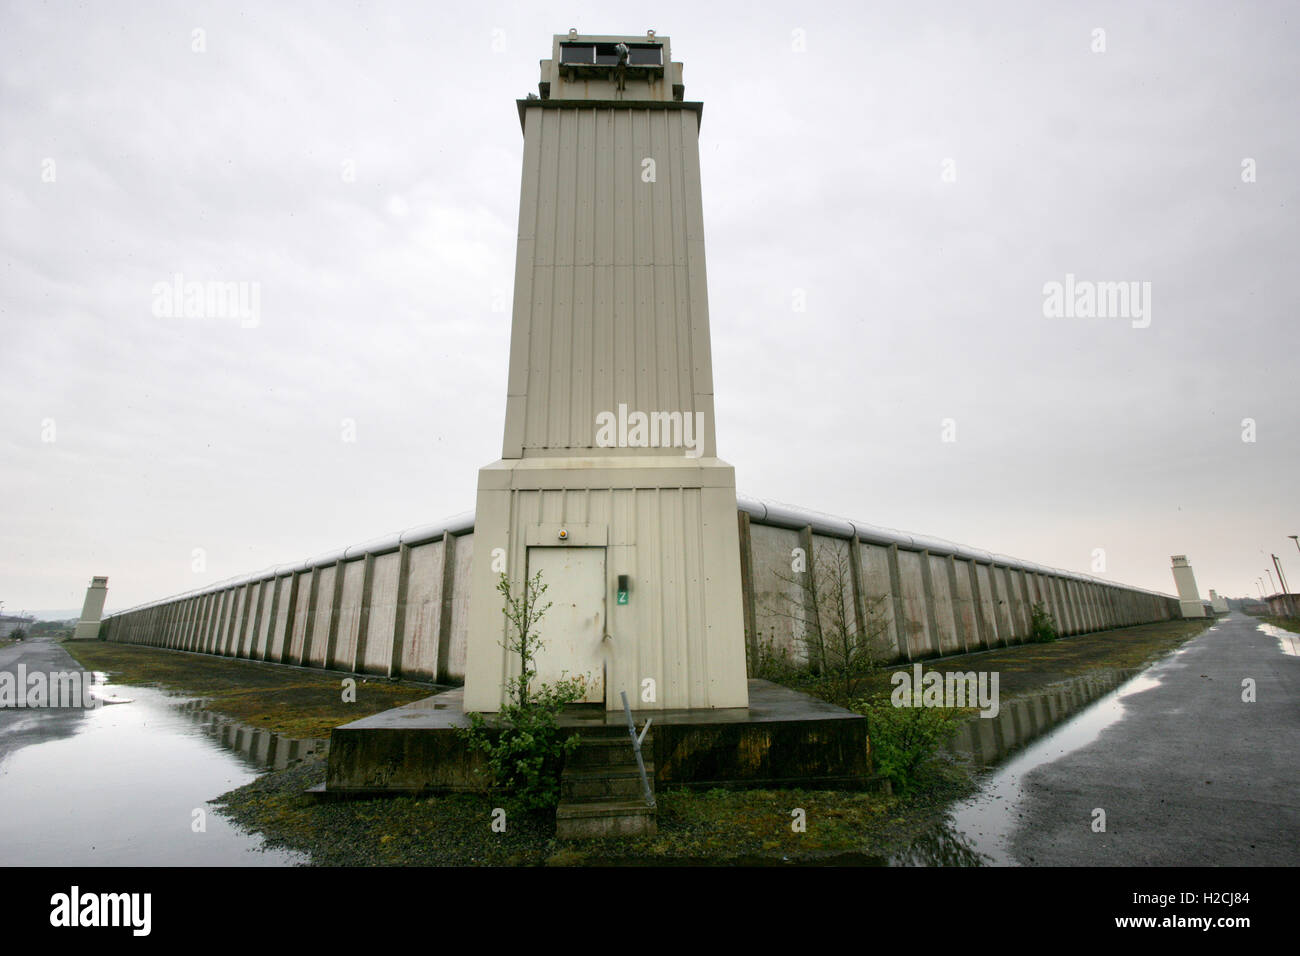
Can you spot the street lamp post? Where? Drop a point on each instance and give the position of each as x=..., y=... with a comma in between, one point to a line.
x=1286, y=590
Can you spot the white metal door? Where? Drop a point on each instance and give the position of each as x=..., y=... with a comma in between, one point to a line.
x=573, y=630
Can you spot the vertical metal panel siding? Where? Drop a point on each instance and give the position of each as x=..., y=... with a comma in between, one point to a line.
x=604, y=246
x=662, y=632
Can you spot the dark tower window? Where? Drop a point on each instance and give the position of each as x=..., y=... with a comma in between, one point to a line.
x=606, y=54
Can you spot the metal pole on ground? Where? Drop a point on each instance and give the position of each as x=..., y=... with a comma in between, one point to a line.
x=636, y=748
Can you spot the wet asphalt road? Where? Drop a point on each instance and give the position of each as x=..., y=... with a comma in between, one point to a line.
x=1191, y=775
x=20, y=727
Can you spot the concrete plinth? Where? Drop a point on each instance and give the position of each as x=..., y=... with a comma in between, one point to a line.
x=782, y=739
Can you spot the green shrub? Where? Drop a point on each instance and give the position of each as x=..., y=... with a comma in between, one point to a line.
x=524, y=745
x=903, y=739
x=1042, y=629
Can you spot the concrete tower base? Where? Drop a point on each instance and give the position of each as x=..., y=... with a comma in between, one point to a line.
x=662, y=618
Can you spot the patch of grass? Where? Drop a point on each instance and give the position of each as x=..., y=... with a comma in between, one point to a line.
x=292, y=701
x=1291, y=624
x=717, y=826
x=1027, y=668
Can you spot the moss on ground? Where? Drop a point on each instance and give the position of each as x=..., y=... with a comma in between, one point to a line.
x=715, y=827
x=293, y=701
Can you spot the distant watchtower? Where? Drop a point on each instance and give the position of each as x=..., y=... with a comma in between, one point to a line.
x=609, y=481
x=92, y=609
x=1189, y=596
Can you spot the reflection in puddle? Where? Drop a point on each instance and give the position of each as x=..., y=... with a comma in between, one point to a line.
x=985, y=741
x=941, y=846
x=1288, y=641
x=129, y=785
x=976, y=831
x=260, y=748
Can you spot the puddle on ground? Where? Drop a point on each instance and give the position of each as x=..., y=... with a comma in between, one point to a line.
x=128, y=784
x=1287, y=641
x=1061, y=719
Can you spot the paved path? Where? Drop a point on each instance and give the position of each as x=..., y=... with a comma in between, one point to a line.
x=1190, y=774
x=20, y=727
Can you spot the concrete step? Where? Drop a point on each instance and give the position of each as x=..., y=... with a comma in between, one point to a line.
x=591, y=819
x=607, y=752
x=604, y=782
x=600, y=789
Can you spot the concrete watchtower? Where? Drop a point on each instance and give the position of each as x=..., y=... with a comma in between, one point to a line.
x=92, y=609
x=1189, y=596
x=609, y=481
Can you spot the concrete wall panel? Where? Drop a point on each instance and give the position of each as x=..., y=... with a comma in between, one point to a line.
x=834, y=570
x=987, y=607
x=776, y=596
x=423, y=610
x=301, y=618
x=464, y=559
x=349, y=615
x=879, y=596
x=964, y=606
x=283, y=610
x=322, y=615
x=945, y=618
x=919, y=640
x=383, y=614
x=265, y=599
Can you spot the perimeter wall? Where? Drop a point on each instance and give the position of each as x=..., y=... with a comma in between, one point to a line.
x=398, y=606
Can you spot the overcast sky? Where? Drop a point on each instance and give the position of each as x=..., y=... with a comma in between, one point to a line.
x=914, y=173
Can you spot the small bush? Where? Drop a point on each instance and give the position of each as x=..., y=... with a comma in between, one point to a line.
x=903, y=739
x=525, y=747
x=525, y=750
x=1042, y=629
